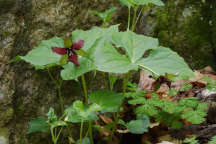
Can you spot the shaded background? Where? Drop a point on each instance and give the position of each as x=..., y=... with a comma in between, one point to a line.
x=186, y=26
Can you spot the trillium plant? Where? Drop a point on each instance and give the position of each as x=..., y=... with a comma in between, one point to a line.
x=70, y=52
x=112, y=52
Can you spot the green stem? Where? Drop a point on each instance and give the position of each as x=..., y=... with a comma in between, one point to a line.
x=105, y=80
x=116, y=116
x=91, y=133
x=139, y=15
x=59, y=133
x=134, y=18
x=81, y=131
x=58, y=85
x=86, y=101
x=84, y=89
x=148, y=69
x=60, y=99
x=53, y=136
x=129, y=17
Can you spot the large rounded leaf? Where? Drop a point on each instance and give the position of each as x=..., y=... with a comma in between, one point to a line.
x=134, y=44
x=163, y=60
x=42, y=55
x=71, y=71
x=108, y=59
x=78, y=112
x=109, y=101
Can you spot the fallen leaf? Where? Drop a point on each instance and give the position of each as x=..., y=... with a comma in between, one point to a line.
x=106, y=119
x=146, y=81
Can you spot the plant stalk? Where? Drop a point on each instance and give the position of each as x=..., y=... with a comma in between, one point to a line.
x=81, y=131
x=84, y=89
x=86, y=102
x=116, y=116
x=134, y=18
x=58, y=85
x=129, y=17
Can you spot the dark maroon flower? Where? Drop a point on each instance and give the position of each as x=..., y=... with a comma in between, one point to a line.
x=72, y=55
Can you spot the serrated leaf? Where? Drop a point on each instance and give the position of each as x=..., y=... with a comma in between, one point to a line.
x=146, y=109
x=78, y=112
x=38, y=125
x=202, y=107
x=163, y=60
x=109, y=101
x=52, y=117
x=190, y=102
x=195, y=117
x=186, y=86
x=43, y=55
x=176, y=124
x=213, y=140
x=71, y=71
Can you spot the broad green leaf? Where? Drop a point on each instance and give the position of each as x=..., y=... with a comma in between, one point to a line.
x=108, y=59
x=145, y=2
x=163, y=60
x=57, y=124
x=135, y=45
x=43, y=55
x=109, y=101
x=138, y=126
x=71, y=71
x=38, y=125
x=78, y=112
x=91, y=36
x=84, y=141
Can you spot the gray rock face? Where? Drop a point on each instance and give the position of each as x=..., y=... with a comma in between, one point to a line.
x=3, y=140
x=26, y=93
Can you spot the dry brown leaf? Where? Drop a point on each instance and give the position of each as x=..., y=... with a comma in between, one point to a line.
x=163, y=91
x=122, y=131
x=170, y=139
x=177, y=84
x=207, y=70
x=106, y=119
x=154, y=125
x=197, y=79
x=146, y=81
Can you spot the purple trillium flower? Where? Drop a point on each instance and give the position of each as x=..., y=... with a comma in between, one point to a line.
x=72, y=55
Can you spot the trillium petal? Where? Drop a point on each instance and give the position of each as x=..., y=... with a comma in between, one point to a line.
x=74, y=59
x=78, y=44
x=58, y=50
